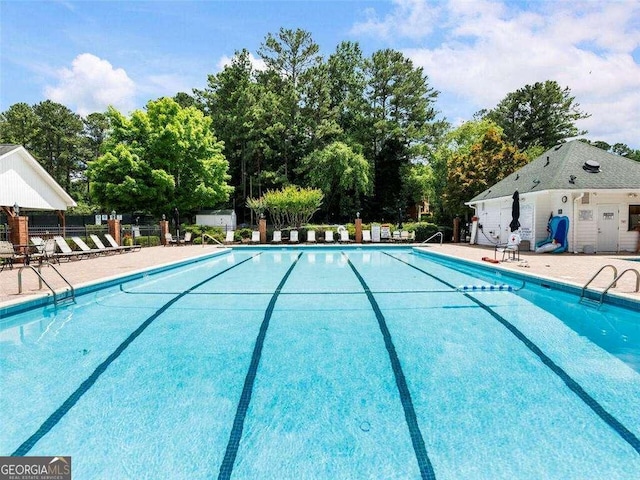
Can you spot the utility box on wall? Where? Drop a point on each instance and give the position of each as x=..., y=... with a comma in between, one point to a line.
x=225, y=219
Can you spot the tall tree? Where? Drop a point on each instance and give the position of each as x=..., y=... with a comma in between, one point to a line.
x=400, y=106
x=343, y=175
x=172, y=158
x=346, y=80
x=290, y=55
x=541, y=114
x=58, y=134
x=18, y=125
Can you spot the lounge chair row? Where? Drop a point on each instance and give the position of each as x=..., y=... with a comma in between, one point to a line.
x=57, y=248
x=186, y=240
x=403, y=236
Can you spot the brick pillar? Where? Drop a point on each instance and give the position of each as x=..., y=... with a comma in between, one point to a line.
x=358, y=230
x=262, y=228
x=164, y=229
x=114, y=230
x=19, y=230
x=456, y=230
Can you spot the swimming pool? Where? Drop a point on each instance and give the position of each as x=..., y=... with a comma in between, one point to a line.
x=319, y=363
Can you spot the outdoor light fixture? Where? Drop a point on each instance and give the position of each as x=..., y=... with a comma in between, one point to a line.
x=16, y=209
x=113, y=214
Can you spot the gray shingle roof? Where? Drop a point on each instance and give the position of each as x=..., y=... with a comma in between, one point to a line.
x=5, y=148
x=561, y=168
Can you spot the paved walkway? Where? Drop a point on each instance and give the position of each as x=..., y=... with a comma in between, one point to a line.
x=575, y=269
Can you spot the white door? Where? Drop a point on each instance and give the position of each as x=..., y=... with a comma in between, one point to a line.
x=607, y=228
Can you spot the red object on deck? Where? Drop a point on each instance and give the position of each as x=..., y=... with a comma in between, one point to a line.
x=490, y=260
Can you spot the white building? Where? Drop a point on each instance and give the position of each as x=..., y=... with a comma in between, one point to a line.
x=598, y=191
x=226, y=219
x=24, y=182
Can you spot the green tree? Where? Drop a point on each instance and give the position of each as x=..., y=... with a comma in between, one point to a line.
x=344, y=177
x=57, y=136
x=291, y=57
x=122, y=181
x=621, y=149
x=399, y=108
x=18, y=125
x=455, y=143
x=346, y=82
x=486, y=162
x=541, y=114
x=173, y=157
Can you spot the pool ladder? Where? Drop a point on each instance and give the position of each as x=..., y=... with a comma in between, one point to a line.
x=616, y=277
x=69, y=294
x=437, y=234
x=206, y=235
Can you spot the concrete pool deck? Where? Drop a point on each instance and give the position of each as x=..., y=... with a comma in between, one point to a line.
x=573, y=269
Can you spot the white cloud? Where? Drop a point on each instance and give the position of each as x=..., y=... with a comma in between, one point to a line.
x=486, y=49
x=92, y=84
x=256, y=63
x=411, y=18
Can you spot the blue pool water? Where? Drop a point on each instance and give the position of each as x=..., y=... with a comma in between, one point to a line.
x=322, y=363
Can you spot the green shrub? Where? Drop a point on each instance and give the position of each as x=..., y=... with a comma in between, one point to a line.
x=423, y=230
x=148, y=240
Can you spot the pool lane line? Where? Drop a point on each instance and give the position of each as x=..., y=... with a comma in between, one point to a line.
x=68, y=404
x=226, y=467
x=424, y=464
x=626, y=434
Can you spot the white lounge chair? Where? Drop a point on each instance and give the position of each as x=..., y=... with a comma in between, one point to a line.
x=277, y=237
x=366, y=236
x=85, y=248
x=395, y=236
x=65, y=249
x=293, y=236
x=328, y=236
x=344, y=236
x=311, y=236
x=169, y=239
x=188, y=238
x=229, y=238
x=101, y=246
x=255, y=236
x=404, y=236
x=124, y=248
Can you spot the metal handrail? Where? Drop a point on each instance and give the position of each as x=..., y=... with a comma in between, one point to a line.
x=212, y=238
x=619, y=277
x=433, y=236
x=615, y=278
x=41, y=279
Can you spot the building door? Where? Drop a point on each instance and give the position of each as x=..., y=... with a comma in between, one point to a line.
x=608, y=228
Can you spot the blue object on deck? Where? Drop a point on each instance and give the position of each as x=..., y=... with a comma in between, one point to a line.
x=558, y=232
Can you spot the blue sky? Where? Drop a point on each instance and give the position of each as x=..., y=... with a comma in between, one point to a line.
x=88, y=55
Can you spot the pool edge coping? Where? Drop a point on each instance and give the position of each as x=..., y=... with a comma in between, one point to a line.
x=44, y=299
x=612, y=298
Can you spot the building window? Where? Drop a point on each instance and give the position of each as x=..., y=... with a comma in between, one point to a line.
x=634, y=217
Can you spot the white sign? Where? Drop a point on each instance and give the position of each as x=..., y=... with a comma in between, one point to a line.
x=98, y=219
x=526, y=221
x=375, y=233
x=585, y=215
